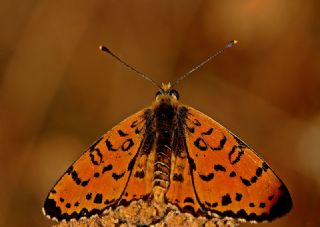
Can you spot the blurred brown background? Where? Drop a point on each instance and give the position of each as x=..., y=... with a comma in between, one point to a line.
x=58, y=93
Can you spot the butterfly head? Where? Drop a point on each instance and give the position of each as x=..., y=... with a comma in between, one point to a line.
x=167, y=93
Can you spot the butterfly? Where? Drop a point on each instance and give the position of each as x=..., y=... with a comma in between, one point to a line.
x=170, y=153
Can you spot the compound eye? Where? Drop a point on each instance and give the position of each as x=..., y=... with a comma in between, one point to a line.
x=174, y=93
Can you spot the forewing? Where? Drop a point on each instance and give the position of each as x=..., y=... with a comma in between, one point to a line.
x=98, y=179
x=229, y=178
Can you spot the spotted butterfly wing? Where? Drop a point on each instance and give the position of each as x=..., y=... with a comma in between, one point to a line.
x=100, y=177
x=170, y=154
x=223, y=176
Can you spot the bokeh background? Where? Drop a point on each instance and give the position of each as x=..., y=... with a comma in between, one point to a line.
x=58, y=92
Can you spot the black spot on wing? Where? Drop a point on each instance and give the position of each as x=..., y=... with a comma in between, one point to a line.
x=84, y=183
x=177, y=177
x=212, y=205
x=127, y=144
x=245, y=181
x=134, y=124
x=219, y=167
x=259, y=172
x=94, y=162
x=235, y=154
x=107, y=168
x=232, y=174
x=191, y=130
x=253, y=179
x=137, y=131
x=109, y=146
x=139, y=174
x=77, y=180
x=265, y=166
x=122, y=134
x=208, y=177
x=221, y=144
x=188, y=209
x=69, y=170
x=188, y=200
x=262, y=205
x=89, y=196
x=238, y=196
x=117, y=176
x=226, y=200
x=98, y=198
x=208, y=132
x=200, y=144
x=95, y=156
x=196, y=122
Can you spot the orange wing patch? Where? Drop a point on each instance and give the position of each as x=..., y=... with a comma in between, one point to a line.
x=229, y=178
x=140, y=184
x=181, y=191
x=98, y=179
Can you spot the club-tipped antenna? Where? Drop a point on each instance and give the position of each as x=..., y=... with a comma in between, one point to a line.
x=108, y=51
x=195, y=68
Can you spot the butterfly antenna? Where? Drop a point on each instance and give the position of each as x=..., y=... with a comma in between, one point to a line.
x=108, y=51
x=195, y=68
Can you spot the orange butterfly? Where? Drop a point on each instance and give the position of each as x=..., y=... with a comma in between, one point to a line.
x=173, y=154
